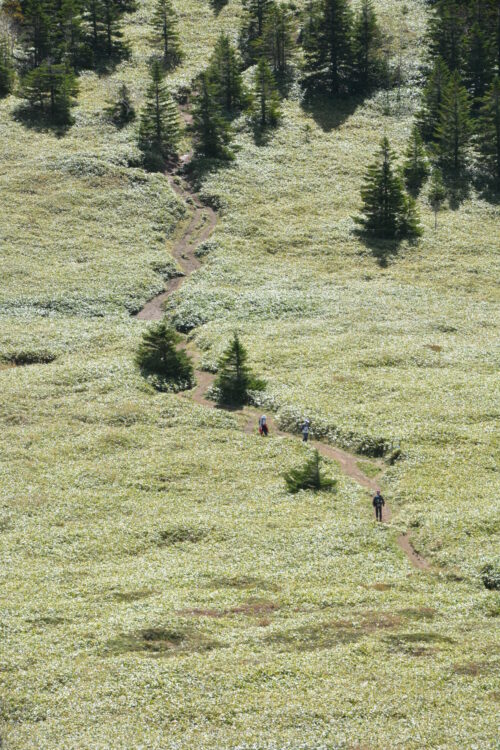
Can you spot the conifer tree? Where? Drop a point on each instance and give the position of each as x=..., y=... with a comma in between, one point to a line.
x=122, y=111
x=235, y=379
x=166, y=33
x=489, y=132
x=212, y=132
x=429, y=116
x=388, y=212
x=446, y=33
x=369, y=64
x=416, y=166
x=309, y=477
x=278, y=37
x=266, y=102
x=159, y=131
x=454, y=129
x=6, y=67
x=256, y=13
x=437, y=193
x=51, y=88
x=159, y=357
x=478, y=64
x=36, y=33
x=225, y=76
x=327, y=42
x=102, y=19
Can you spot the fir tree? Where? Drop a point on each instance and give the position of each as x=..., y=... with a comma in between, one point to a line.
x=256, y=14
x=122, y=111
x=234, y=379
x=454, y=129
x=278, y=38
x=416, y=166
x=489, y=132
x=212, y=132
x=446, y=33
x=159, y=357
x=6, y=67
x=437, y=193
x=38, y=19
x=388, y=212
x=478, y=65
x=166, y=33
x=266, y=102
x=309, y=476
x=159, y=131
x=429, y=116
x=369, y=65
x=103, y=19
x=51, y=88
x=225, y=77
x=327, y=42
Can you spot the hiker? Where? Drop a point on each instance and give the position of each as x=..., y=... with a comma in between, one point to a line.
x=378, y=503
x=263, y=428
x=305, y=429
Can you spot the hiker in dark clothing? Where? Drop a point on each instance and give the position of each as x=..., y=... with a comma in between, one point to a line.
x=378, y=504
x=263, y=428
x=305, y=429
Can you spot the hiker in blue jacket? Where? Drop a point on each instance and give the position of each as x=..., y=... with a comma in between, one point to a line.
x=378, y=504
x=305, y=430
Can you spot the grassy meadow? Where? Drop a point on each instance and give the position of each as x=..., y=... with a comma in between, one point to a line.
x=160, y=589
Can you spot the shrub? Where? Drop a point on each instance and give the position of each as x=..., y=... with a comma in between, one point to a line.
x=490, y=575
x=309, y=476
x=161, y=362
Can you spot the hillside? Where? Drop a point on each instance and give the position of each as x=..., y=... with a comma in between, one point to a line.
x=160, y=587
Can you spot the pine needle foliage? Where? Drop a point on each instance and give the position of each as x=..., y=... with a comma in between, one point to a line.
x=437, y=193
x=432, y=99
x=122, y=111
x=211, y=130
x=235, y=379
x=266, y=107
x=454, y=129
x=159, y=131
x=166, y=37
x=388, y=212
x=309, y=476
x=225, y=77
x=160, y=361
x=6, y=67
x=489, y=132
x=51, y=89
x=416, y=167
x=327, y=43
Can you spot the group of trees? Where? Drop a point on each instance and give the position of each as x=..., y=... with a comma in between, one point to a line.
x=460, y=110
x=58, y=39
x=344, y=50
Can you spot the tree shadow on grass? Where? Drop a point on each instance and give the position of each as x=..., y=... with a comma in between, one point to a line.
x=329, y=112
x=200, y=167
x=218, y=5
x=384, y=250
x=34, y=119
x=458, y=188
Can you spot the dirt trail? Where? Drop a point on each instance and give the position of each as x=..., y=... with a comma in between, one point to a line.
x=200, y=227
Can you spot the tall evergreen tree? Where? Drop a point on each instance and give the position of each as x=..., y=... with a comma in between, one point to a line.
x=51, y=88
x=327, y=42
x=278, y=40
x=235, y=379
x=489, y=131
x=159, y=131
x=6, y=66
x=454, y=129
x=388, y=212
x=437, y=193
x=166, y=32
x=266, y=102
x=252, y=29
x=212, y=132
x=225, y=76
x=38, y=19
x=429, y=116
x=446, y=32
x=416, y=166
x=159, y=359
x=478, y=64
x=369, y=63
x=103, y=21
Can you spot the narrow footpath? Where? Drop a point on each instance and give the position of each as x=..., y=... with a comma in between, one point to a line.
x=200, y=227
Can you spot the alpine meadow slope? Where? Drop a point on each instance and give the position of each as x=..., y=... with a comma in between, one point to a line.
x=160, y=586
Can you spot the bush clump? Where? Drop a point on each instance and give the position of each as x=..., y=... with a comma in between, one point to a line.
x=490, y=576
x=235, y=379
x=309, y=476
x=161, y=362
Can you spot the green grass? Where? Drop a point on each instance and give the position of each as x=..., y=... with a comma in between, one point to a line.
x=160, y=588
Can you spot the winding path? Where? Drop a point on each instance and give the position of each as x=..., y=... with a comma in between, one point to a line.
x=200, y=227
